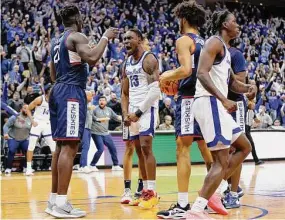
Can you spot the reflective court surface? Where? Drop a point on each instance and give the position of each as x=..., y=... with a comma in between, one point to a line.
x=99, y=193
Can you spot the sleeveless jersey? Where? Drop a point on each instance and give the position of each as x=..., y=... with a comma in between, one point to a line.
x=138, y=85
x=42, y=111
x=219, y=73
x=187, y=85
x=238, y=65
x=70, y=69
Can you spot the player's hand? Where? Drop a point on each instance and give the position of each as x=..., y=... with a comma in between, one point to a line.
x=111, y=33
x=230, y=105
x=35, y=124
x=127, y=121
x=133, y=117
x=251, y=92
x=6, y=136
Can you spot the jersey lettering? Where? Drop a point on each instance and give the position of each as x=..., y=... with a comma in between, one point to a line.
x=56, y=53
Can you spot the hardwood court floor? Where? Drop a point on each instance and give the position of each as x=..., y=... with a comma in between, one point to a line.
x=99, y=193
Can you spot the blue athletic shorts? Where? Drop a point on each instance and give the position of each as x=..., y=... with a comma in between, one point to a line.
x=185, y=123
x=68, y=107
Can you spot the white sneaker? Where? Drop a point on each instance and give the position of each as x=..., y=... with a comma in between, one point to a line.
x=126, y=197
x=67, y=211
x=29, y=172
x=8, y=171
x=117, y=168
x=48, y=210
x=87, y=169
x=93, y=169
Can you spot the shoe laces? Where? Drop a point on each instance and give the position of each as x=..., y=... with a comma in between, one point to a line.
x=127, y=192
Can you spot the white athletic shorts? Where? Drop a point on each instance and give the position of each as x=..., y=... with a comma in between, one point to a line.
x=216, y=124
x=145, y=126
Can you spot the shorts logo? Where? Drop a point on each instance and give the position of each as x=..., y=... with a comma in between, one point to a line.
x=240, y=115
x=187, y=119
x=72, y=119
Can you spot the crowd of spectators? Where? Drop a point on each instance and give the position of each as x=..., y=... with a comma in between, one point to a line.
x=28, y=28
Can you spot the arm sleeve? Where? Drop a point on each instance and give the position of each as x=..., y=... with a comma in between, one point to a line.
x=238, y=62
x=152, y=95
x=9, y=124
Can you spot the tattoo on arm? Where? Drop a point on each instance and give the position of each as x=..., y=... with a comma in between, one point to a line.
x=151, y=67
x=237, y=86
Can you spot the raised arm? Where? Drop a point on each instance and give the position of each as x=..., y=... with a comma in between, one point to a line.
x=184, y=46
x=88, y=54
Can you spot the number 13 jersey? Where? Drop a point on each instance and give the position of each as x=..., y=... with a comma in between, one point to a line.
x=138, y=85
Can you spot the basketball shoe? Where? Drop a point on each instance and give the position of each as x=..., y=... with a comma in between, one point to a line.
x=127, y=196
x=174, y=212
x=231, y=201
x=48, y=210
x=67, y=211
x=215, y=203
x=137, y=198
x=149, y=199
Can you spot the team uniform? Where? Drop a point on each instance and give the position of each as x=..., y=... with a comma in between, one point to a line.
x=42, y=117
x=216, y=124
x=185, y=124
x=138, y=89
x=68, y=103
x=238, y=65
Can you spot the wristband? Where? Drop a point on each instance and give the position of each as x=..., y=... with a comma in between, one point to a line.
x=106, y=38
x=138, y=113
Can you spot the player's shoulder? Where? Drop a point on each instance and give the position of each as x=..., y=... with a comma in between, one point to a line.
x=150, y=57
x=184, y=40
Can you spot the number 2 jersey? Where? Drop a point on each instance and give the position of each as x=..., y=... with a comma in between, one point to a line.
x=138, y=85
x=70, y=69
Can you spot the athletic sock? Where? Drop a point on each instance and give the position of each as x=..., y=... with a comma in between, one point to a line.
x=183, y=199
x=144, y=184
x=52, y=198
x=151, y=184
x=60, y=200
x=221, y=187
x=230, y=186
x=29, y=165
x=127, y=184
x=199, y=204
x=140, y=185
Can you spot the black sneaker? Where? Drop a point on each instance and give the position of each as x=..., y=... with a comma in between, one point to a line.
x=174, y=212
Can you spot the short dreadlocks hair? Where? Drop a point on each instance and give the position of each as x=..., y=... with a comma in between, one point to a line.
x=69, y=15
x=218, y=18
x=194, y=13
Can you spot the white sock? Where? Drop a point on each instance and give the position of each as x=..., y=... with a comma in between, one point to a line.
x=183, y=199
x=199, y=204
x=151, y=184
x=221, y=187
x=29, y=165
x=60, y=200
x=144, y=184
x=230, y=186
x=52, y=198
x=234, y=194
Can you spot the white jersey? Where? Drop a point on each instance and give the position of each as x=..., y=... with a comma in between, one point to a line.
x=219, y=73
x=138, y=85
x=42, y=111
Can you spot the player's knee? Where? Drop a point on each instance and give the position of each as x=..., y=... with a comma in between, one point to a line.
x=182, y=151
x=146, y=150
x=129, y=150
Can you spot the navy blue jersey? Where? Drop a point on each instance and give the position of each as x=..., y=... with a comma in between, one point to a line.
x=238, y=65
x=187, y=85
x=70, y=69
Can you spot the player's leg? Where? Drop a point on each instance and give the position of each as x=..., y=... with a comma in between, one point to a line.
x=24, y=146
x=12, y=148
x=33, y=139
x=98, y=140
x=206, y=154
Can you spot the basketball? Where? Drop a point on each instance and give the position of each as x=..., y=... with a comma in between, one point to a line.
x=169, y=87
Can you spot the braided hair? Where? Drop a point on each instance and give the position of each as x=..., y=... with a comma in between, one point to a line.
x=194, y=13
x=218, y=18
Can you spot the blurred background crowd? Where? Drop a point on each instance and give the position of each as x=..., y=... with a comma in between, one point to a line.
x=28, y=28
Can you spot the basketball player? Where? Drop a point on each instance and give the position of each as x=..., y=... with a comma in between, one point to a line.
x=41, y=126
x=70, y=55
x=140, y=94
x=128, y=158
x=212, y=111
x=233, y=193
x=188, y=47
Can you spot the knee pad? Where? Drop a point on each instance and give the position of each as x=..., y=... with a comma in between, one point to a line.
x=32, y=143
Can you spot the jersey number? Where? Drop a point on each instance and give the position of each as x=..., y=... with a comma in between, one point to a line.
x=46, y=111
x=134, y=81
x=56, y=55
